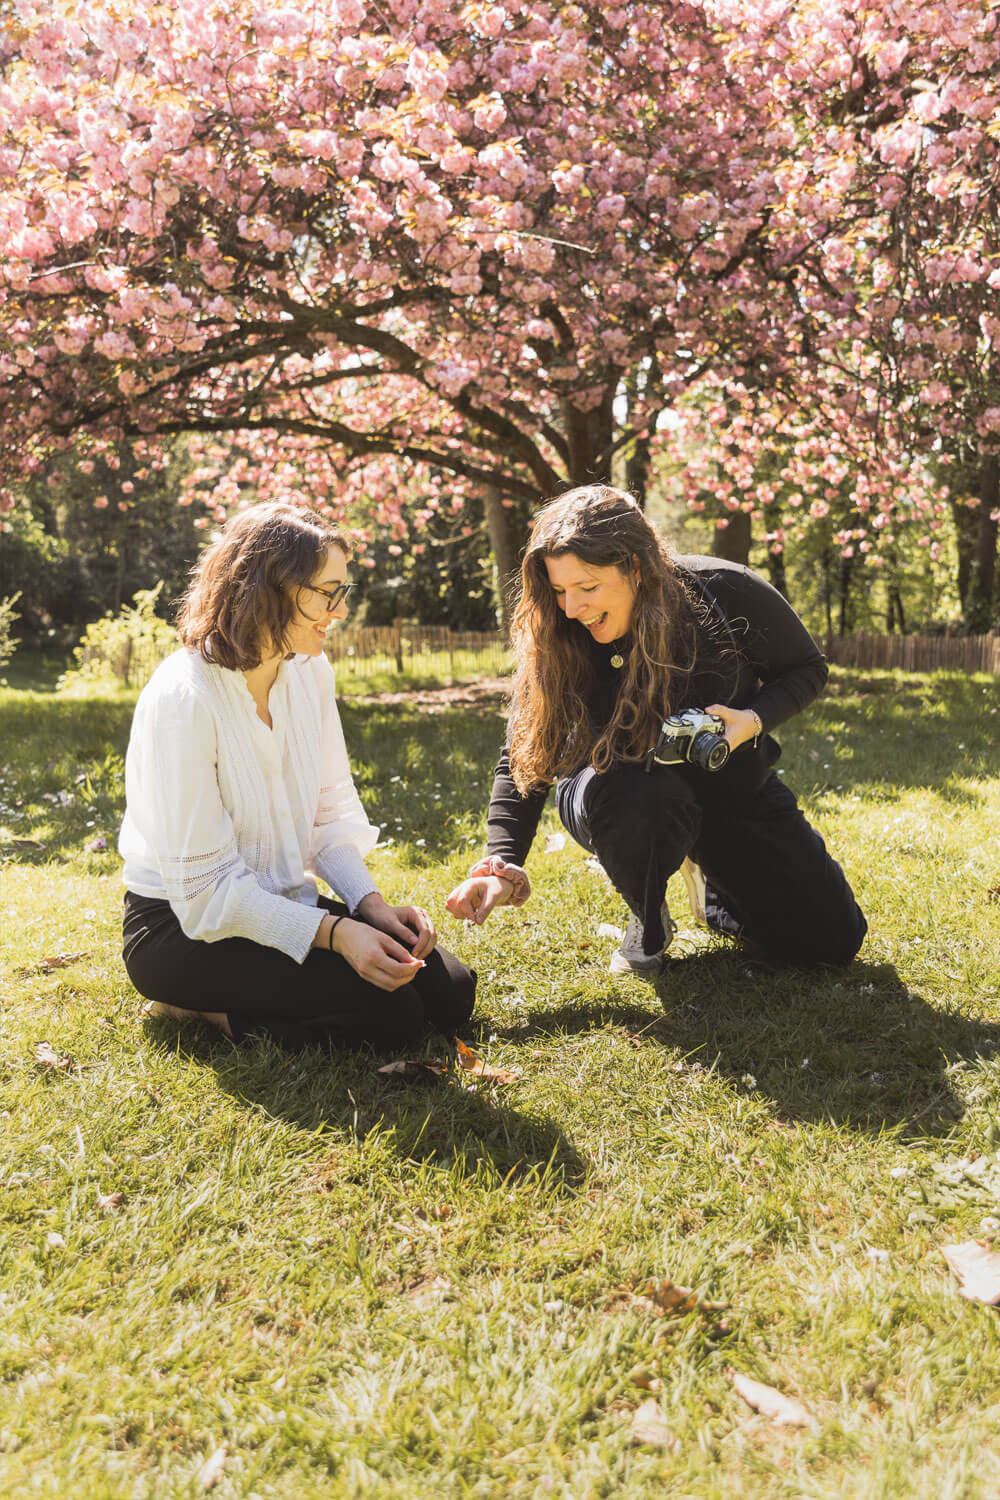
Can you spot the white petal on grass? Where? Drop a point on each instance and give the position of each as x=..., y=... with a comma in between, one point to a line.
x=607, y=929
x=648, y=1426
x=211, y=1469
x=555, y=842
x=977, y=1268
x=55, y=1241
x=783, y=1411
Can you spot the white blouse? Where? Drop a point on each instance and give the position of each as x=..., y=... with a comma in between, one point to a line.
x=225, y=818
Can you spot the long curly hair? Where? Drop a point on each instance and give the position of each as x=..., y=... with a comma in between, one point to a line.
x=549, y=730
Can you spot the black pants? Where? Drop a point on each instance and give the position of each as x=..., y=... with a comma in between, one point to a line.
x=768, y=874
x=266, y=993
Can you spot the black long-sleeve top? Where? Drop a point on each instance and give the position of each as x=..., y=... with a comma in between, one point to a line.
x=751, y=651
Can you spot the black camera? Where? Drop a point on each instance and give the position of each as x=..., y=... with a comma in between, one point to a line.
x=693, y=736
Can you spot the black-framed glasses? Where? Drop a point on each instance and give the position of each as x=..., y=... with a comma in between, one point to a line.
x=329, y=599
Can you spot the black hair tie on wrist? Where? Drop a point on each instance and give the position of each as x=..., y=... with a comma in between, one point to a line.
x=333, y=927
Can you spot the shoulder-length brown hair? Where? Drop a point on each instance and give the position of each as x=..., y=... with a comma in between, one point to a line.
x=242, y=594
x=550, y=734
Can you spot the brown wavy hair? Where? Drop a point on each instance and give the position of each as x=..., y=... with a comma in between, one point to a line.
x=549, y=731
x=241, y=597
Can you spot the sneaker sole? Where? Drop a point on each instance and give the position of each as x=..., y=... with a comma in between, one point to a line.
x=619, y=964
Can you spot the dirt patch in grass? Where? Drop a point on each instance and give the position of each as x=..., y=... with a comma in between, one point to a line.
x=486, y=694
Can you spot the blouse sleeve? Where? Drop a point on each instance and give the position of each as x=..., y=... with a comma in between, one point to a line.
x=174, y=802
x=341, y=834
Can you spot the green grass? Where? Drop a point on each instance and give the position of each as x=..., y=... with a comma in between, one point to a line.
x=366, y=1287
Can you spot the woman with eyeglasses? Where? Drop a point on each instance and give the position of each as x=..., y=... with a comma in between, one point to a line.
x=239, y=792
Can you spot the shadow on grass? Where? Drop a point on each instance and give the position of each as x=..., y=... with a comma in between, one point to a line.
x=434, y=1120
x=852, y=1047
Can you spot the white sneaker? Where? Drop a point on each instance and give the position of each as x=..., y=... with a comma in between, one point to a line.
x=694, y=881
x=630, y=958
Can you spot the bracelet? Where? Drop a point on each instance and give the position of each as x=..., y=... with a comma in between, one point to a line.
x=333, y=927
x=760, y=725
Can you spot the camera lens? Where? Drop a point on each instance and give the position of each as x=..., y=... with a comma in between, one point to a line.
x=709, y=751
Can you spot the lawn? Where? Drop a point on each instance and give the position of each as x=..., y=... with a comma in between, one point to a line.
x=265, y=1275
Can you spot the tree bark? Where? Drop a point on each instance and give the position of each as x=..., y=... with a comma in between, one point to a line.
x=979, y=612
x=732, y=542
x=504, y=549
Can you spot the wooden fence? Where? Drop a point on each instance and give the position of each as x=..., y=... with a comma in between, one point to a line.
x=365, y=650
x=915, y=653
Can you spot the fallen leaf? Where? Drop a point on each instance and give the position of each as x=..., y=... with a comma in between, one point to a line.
x=430, y=1292
x=211, y=1469
x=108, y=1202
x=46, y=1054
x=554, y=843
x=648, y=1426
x=25, y=844
x=664, y=1297
x=783, y=1411
x=54, y=961
x=993, y=894
x=471, y=1062
x=416, y=1065
x=977, y=1268
x=644, y=1378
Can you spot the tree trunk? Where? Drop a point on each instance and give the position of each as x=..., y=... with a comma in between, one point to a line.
x=844, y=592
x=504, y=549
x=732, y=542
x=979, y=612
x=776, y=571
x=589, y=435
x=827, y=599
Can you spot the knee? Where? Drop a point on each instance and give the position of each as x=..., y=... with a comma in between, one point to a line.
x=449, y=989
x=836, y=946
x=629, y=803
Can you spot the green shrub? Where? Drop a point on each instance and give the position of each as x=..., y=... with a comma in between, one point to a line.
x=123, y=649
x=8, y=614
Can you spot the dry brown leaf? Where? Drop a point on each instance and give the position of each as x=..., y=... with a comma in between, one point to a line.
x=471, y=1062
x=46, y=1054
x=977, y=1268
x=54, y=961
x=211, y=1469
x=783, y=1411
x=648, y=1426
x=644, y=1378
x=663, y=1297
x=413, y=1066
x=108, y=1202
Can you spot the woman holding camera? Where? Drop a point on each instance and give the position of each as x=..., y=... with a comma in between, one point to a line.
x=612, y=636
x=238, y=791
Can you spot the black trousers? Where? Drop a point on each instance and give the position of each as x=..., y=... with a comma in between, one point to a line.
x=769, y=876
x=266, y=993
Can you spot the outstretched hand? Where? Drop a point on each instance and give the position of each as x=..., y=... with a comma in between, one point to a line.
x=476, y=897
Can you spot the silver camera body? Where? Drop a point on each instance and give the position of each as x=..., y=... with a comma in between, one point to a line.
x=694, y=737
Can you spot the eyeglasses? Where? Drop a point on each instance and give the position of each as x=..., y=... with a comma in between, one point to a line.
x=328, y=599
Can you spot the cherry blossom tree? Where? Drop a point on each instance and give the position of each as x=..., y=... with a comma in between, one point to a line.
x=494, y=242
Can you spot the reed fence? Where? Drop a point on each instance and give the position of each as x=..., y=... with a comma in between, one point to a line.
x=916, y=653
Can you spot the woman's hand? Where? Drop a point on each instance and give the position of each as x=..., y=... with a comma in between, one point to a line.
x=408, y=924
x=742, y=724
x=475, y=898
x=374, y=955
